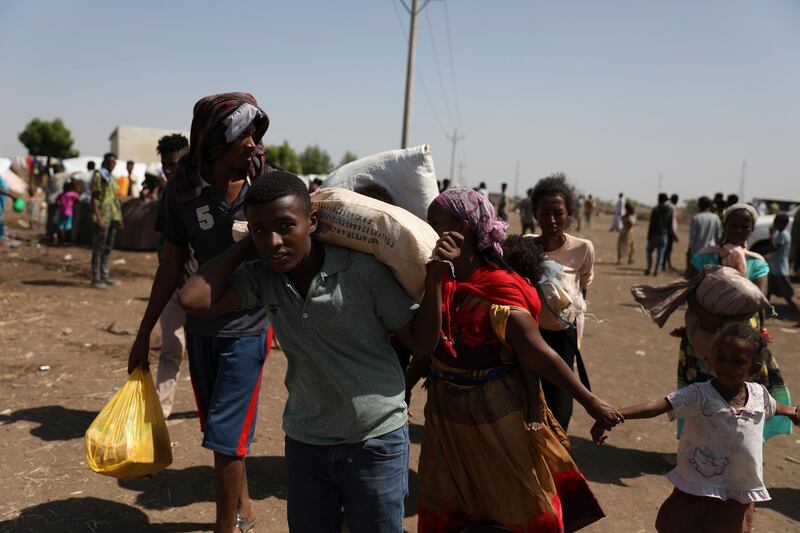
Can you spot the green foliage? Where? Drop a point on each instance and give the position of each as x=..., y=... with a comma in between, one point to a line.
x=315, y=160
x=52, y=139
x=347, y=158
x=690, y=206
x=284, y=157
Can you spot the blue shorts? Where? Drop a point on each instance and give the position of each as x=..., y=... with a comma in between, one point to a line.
x=65, y=222
x=226, y=378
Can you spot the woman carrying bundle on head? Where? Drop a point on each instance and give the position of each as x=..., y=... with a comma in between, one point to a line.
x=491, y=458
x=737, y=225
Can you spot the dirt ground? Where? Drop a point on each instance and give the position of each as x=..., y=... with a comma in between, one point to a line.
x=49, y=315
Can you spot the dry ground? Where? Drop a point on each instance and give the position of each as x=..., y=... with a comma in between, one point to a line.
x=50, y=316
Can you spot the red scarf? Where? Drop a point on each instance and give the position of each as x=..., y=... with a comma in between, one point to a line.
x=495, y=285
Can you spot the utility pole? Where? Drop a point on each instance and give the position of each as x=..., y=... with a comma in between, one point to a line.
x=412, y=47
x=454, y=139
x=461, y=166
x=516, y=181
x=741, y=181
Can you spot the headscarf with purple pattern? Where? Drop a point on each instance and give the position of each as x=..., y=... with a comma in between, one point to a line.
x=473, y=207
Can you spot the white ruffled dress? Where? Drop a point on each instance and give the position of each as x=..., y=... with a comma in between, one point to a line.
x=720, y=453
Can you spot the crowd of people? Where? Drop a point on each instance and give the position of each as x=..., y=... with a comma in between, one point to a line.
x=493, y=340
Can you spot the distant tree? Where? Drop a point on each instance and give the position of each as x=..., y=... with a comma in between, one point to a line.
x=284, y=156
x=50, y=138
x=347, y=158
x=690, y=205
x=315, y=160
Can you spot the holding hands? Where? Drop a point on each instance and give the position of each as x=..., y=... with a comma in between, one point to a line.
x=790, y=412
x=598, y=433
x=796, y=416
x=606, y=417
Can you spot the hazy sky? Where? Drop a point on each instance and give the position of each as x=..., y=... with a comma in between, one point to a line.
x=612, y=93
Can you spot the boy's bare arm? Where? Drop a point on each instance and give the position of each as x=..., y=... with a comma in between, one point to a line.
x=208, y=292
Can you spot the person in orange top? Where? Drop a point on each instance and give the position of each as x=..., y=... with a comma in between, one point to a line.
x=124, y=182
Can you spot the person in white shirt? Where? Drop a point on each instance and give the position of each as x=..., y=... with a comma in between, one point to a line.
x=619, y=212
x=718, y=475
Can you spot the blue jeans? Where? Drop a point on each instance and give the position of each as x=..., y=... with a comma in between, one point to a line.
x=369, y=479
x=658, y=244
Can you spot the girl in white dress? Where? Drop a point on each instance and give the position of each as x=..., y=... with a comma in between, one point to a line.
x=719, y=475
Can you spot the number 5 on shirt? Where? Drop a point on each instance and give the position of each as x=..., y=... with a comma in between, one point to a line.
x=204, y=218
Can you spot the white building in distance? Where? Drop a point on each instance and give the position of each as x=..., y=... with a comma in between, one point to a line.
x=138, y=144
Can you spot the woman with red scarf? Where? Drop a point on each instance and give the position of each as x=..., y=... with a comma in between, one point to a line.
x=491, y=458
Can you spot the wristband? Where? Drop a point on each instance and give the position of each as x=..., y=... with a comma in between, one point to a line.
x=445, y=261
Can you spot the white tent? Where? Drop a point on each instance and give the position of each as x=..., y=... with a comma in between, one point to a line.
x=15, y=183
x=78, y=164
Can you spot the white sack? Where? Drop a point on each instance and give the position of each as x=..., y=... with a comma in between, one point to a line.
x=408, y=175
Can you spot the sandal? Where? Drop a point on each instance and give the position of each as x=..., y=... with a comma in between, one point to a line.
x=243, y=524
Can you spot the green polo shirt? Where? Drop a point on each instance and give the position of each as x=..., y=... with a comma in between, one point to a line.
x=344, y=380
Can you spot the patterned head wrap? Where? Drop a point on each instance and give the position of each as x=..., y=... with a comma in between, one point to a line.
x=472, y=207
x=741, y=206
x=217, y=121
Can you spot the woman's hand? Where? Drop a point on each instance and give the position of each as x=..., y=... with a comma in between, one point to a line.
x=448, y=247
x=604, y=413
x=598, y=433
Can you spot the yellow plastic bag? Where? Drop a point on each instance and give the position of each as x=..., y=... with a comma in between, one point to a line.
x=129, y=438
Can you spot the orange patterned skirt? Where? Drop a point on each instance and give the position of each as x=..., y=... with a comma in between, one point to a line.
x=482, y=464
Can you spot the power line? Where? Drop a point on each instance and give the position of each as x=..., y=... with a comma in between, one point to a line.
x=430, y=103
x=452, y=63
x=455, y=138
x=439, y=69
x=416, y=69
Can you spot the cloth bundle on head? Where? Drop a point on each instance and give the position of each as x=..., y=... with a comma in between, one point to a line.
x=217, y=121
x=741, y=206
x=472, y=207
x=731, y=255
